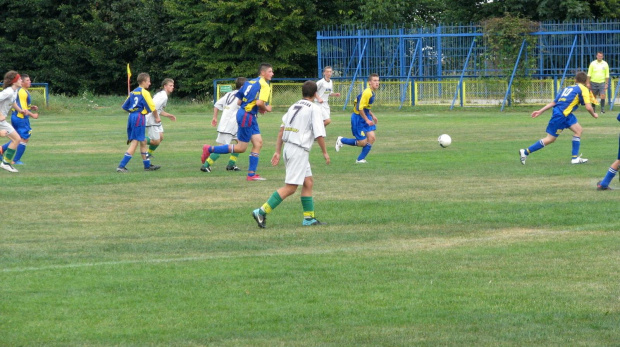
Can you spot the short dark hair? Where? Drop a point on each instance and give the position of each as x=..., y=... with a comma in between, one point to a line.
x=581, y=77
x=373, y=75
x=9, y=77
x=24, y=76
x=142, y=76
x=239, y=82
x=308, y=89
x=263, y=67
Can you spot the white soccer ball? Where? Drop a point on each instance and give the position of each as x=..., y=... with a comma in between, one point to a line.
x=444, y=140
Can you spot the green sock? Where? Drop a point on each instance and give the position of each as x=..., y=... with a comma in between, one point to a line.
x=152, y=148
x=148, y=140
x=212, y=158
x=233, y=159
x=308, y=205
x=8, y=156
x=271, y=203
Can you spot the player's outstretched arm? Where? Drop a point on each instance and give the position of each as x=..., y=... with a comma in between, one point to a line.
x=542, y=110
x=168, y=115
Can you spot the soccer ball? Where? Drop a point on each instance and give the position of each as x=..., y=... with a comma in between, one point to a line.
x=444, y=140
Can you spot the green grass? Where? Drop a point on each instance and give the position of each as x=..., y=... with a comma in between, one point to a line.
x=424, y=246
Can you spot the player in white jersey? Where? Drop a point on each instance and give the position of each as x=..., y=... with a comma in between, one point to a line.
x=154, y=129
x=325, y=86
x=227, y=128
x=301, y=126
x=12, y=82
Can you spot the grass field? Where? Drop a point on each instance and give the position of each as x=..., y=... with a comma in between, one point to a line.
x=424, y=246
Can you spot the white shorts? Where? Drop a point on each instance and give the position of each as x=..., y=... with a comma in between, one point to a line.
x=6, y=126
x=326, y=112
x=225, y=139
x=153, y=131
x=296, y=160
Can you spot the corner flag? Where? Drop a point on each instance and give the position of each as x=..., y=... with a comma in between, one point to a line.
x=128, y=79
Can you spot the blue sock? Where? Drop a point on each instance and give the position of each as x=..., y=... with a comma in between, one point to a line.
x=147, y=163
x=223, y=149
x=125, y=160
x=533, y=148
x=253, y=164
x=576, y=145
x=5, y=146
x=348, y=142
x=21, y=148
x=365, y=151
x=611, y=173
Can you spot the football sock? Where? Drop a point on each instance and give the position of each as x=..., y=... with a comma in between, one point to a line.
x=125, y=160
x=152, y=148
x=602, y=104
x=576, y=145
x=8, y=156
x=253, y=164
x=611, y=173
x=146, y=162
x=223, y=149
x=536, y=146
x=308, y=205
x=273, y=202
x=232, y=161
x=211, y=160
x=365, y=151
x=20, y=151
x=348, y=142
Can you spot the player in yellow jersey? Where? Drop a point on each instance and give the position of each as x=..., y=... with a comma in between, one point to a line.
x=598, y=79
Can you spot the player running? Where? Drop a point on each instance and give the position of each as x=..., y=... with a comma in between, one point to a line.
x=563, y=106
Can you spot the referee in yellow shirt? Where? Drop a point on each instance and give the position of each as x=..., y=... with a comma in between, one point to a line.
x=598, y=79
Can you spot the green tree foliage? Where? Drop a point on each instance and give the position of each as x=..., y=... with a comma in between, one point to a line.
x=231, y=38
x=85, y=45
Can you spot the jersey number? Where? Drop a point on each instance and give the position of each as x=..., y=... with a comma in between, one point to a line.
x=135, y=102
x=567, y=91
x=297, y=108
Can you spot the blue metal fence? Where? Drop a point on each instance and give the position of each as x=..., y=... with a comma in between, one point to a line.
x=448, y=52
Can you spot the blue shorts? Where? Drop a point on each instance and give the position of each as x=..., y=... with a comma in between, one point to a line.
x=557, y=123
x=248, y=126
x=618, y=147
x=359, y=128
x=22, y=126
x=136, y=127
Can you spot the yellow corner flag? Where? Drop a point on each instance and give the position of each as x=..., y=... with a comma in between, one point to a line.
x=128, y=79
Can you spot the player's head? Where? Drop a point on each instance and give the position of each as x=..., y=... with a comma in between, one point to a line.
x=599, y=56
x=12, y=78
x=327, y=72
x=581, y=77
x=239, y=82
x=167, y=85
x=373, y=81
x=308, y=89
x=144, y=78
x=26, y=82
x=266, y=71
